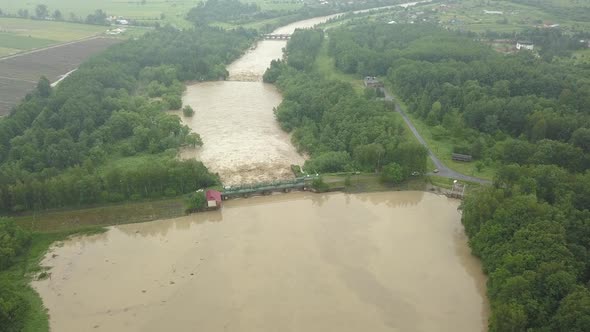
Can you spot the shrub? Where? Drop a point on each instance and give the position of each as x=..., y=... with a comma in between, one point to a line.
x=188, y=111
x=196, y=202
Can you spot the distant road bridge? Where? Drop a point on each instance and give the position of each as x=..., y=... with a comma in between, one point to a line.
x=283, y=36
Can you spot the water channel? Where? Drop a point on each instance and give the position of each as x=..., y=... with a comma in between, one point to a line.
x=395, y=261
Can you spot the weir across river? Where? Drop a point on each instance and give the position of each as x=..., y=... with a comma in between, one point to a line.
x=266, y=188
x=274, y=36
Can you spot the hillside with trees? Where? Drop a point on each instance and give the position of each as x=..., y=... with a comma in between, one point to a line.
x=527, y=116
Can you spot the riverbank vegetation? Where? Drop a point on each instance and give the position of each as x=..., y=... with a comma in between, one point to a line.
x=102, y=135
x=340, y=129
x=21, y=252
x=526, y=117
x=499, y=109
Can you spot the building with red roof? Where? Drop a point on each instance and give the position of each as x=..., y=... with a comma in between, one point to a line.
x=213, y=199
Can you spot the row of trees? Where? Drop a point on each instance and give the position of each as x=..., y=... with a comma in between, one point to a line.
x=42, y=12
x=339, y=128
x=58, y=145
x=531, y=229
x=14, y=307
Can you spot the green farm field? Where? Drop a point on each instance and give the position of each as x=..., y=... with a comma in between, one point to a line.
x=514, y=15
x=163, y=11
x=18, y=34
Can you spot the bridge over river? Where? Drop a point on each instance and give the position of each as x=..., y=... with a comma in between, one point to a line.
x=277, y=36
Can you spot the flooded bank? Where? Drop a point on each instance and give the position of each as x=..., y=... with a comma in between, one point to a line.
x=300, y=262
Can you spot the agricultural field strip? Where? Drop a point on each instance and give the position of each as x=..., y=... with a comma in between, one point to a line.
x=20, y=73
x=15, y=79
x=49, y=47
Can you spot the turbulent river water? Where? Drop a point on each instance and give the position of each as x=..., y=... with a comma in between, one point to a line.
x=395, y=261
x=242, y=140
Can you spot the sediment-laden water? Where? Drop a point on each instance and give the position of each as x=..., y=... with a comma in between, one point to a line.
x=242, y=140
x=300, y=262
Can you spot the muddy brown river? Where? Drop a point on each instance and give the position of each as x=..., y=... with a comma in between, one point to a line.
x=243, y=142
x=395, y=261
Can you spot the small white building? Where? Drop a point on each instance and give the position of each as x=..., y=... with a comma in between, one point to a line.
x=522, y=45
x=123, y=22
x=116, y=31
x=493, y=12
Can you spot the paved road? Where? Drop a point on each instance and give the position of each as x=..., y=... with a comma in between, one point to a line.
x=443, y=170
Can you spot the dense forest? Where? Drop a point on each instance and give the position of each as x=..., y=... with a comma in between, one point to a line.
x=528, y=116
x=102, y=135
x=502, y=109
x=340, y=129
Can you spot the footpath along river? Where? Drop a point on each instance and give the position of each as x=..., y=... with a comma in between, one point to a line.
x=395, y=261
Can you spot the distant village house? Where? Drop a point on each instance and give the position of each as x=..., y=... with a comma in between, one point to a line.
x=524, y=45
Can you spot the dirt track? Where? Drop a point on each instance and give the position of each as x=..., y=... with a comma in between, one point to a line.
x=19, y=73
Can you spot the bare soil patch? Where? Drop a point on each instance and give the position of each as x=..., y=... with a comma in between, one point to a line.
x=18, y=74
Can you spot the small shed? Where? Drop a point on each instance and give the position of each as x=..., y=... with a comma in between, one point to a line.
x=461, y=157
x=372, y=82
x=213, y=199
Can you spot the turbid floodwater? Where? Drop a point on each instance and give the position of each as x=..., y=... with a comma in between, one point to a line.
x=243, y=142
x=394, y=261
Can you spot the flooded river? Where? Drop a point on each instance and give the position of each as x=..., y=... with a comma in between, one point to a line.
x=242, y=139
x=394, y=261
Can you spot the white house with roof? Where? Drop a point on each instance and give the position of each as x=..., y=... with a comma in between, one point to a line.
x=524, y=45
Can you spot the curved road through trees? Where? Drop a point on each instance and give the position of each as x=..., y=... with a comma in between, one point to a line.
x=443, y=170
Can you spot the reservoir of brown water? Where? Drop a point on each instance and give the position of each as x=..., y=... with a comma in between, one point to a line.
x=395, y=261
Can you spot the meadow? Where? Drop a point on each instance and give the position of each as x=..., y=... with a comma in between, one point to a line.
x=512, y=16
x=162, y=11
x=17, y=35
